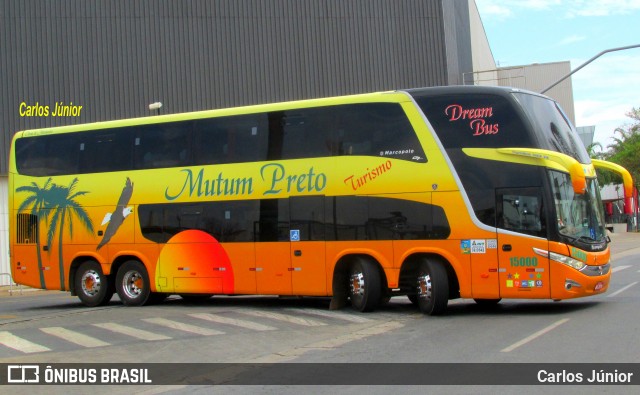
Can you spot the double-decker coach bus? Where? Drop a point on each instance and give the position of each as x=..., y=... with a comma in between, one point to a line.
x=434, y=193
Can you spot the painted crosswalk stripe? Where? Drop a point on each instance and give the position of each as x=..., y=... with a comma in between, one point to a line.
x=183, y=327
x=232, y=321
x=74, y=337
x=282, y=317
x=129, y=331
x=618, y=268
x=332, y=314
x=17, y=343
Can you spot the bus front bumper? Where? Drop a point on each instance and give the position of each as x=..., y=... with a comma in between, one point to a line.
x=570, y=283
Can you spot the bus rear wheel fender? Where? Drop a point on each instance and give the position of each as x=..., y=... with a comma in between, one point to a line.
x=91, y=285
x=432, y=287
x=132, y=283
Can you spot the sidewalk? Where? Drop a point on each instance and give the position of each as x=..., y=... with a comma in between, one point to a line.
x=622, y=244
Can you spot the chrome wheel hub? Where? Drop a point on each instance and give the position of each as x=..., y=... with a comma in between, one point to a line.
x=424, y=286
x=91, y=283
x=132, y=284
x=357, y=284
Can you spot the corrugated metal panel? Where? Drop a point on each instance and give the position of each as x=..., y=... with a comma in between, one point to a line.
x=457, y=38
x=5, y=269
x=115, y=57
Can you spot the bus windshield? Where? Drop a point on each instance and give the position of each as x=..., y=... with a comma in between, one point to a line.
x=579, y=217
x=553, y=129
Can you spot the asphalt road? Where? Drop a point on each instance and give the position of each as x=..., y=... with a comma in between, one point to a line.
x=53, y=327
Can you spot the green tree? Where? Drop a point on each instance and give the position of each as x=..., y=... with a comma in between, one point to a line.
x=38, y=203
x=605, y=176
x=65, y=209
x=591, y=150
x=625, y=150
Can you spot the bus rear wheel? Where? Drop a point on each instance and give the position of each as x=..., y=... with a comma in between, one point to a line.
x=432, y=288
x=364, y=285
x=132, y=284
x=91, y=285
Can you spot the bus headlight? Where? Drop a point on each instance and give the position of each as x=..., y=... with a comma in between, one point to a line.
x=566, y=260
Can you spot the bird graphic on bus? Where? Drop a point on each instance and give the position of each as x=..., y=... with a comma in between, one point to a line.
x=121, y=212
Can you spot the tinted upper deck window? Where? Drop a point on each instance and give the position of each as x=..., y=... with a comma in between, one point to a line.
x=369, y=129
x=372, y=129
x=476, y=121
x=49, y=155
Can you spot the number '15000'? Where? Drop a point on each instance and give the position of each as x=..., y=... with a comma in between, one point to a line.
x=523, y=261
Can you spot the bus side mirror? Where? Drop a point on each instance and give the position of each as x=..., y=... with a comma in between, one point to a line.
x=536, y=157
x=624, y=173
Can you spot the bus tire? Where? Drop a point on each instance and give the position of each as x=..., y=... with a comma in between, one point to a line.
x=364, y=285
x=433, y=287
x=132, y=284
x=91, y=285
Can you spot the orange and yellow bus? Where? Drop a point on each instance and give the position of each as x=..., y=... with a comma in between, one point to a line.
x=433, y=193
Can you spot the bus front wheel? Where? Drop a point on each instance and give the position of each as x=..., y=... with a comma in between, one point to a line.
x=132, y=284
x=91, y=285
x=364, y=285
x=432, y=288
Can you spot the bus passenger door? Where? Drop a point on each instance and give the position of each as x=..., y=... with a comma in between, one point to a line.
x=522, y=229
x=306, y=235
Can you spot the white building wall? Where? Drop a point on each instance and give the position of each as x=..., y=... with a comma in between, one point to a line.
x=536, y=77
x=4, y=231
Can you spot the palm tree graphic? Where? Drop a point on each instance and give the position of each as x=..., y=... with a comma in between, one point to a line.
x=38, y=202
x=57, y=206
x=65, y=209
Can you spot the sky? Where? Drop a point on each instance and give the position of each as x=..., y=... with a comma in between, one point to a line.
x=522, y=32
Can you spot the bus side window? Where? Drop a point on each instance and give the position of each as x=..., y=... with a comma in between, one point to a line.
x=235, y=139
x=104, y=152
x=304, y=133
x=520, y=210
x=210, y=142
x=248, y=141
x=48, y=155
x=165, y=145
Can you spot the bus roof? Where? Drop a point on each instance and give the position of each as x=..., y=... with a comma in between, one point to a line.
x=466, y=89
x=386, y=96
x=391, y=96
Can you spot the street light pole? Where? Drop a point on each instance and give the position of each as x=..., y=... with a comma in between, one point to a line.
x=587, y=62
